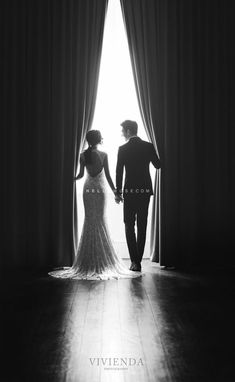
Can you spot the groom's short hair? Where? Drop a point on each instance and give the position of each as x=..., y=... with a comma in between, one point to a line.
x=131, y=126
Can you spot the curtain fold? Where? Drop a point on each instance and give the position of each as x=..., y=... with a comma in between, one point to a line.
x=141, y=27
x=50, y=53
x=88, y=48
x=182, y=55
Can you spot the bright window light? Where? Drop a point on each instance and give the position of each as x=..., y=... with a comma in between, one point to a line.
x=116, y=102
x=116, y=97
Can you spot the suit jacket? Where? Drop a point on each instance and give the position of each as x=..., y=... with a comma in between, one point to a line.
x=135, y=156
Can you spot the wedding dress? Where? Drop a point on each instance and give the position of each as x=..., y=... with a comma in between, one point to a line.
x=96, y=258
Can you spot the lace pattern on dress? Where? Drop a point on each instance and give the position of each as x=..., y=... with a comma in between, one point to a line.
x=96, y=258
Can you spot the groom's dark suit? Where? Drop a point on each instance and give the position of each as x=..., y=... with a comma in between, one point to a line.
x=135, y=156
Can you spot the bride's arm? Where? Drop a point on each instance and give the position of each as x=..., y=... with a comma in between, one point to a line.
x=81, y=170
x=107, y=174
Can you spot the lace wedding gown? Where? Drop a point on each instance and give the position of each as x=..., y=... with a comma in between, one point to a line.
x=96, y=258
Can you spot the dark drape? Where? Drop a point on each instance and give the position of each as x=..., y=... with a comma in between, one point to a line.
x=183, y=59
x=140, y=25
x=89, y=47
x=49, y=64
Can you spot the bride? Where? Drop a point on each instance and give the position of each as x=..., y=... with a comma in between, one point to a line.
x=96, y=257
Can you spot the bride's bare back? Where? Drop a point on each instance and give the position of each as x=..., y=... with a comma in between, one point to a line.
x=97, y=162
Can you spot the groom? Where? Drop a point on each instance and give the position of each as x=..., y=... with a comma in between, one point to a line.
x=135, y=156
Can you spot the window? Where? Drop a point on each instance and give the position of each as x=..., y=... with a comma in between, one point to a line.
x=116, y=101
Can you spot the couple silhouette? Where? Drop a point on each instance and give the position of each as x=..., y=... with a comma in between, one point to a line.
x=96, y=257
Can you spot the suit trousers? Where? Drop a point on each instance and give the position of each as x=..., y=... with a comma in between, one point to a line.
x=135, y=210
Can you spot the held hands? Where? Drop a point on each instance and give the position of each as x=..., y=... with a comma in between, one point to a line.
x=118, y=197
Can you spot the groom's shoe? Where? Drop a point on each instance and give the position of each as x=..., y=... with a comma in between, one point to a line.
x=136, y=267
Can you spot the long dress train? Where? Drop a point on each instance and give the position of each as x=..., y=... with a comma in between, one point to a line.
x=96, y=258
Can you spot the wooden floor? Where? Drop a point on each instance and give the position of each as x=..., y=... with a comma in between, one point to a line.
x=165, y=326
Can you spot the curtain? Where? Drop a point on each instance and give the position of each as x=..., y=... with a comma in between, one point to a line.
x=50, y=52
x=182, y=56
x=89, y=47
x=140, y=24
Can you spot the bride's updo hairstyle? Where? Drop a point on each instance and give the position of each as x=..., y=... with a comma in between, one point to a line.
x=93, y=138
